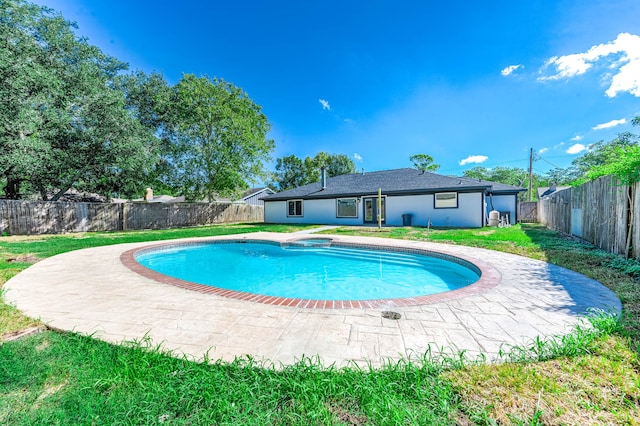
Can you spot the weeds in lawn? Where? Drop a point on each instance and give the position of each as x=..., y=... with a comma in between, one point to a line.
x=628, y=266
x=588, y=376
x=579, y=342
x=75, y=379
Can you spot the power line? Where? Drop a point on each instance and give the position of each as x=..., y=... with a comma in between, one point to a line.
x=547, y=161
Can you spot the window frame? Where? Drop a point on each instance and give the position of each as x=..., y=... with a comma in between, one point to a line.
x=447, y=205
x=374, y=204
x=355, y=201
x=297, y=200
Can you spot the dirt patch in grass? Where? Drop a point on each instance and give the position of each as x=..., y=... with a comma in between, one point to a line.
x=601, y=388
x=23, y=258
x=18, y=334
x=348, y=412
x=14, y=238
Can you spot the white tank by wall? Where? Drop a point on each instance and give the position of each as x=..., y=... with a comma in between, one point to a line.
x=504, y=203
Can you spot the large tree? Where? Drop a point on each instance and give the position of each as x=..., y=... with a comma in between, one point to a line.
x=216, y=138
x=63, y=124
x=424, y=162
x=148, y=98
x=508, y=175
x=601, y=153
x=291, y=171
x=334, y=164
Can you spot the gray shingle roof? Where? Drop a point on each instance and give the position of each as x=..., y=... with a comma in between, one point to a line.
x=392, y=182
x=250, y=192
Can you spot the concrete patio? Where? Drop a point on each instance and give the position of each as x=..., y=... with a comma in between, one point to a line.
x=91, y=291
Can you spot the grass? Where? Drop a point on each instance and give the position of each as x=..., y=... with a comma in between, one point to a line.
x=590, y=376
x=56, y=378
x=595, y=388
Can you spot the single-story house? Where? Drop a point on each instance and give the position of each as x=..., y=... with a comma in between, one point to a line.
x=428, y=198
x=254, y=196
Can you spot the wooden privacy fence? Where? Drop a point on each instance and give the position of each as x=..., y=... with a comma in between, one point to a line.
x=528, y=211
x=597, y=212
x=42, y=217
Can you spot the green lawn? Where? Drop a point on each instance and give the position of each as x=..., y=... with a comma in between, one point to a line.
x=590, y=376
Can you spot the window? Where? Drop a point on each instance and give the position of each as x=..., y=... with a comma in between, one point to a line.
x=294, y=208
x=346, y=207
x=446, y=200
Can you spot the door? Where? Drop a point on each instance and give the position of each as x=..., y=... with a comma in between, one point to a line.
x=370, y=205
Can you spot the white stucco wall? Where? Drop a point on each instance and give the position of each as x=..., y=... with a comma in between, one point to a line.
x=504, y=203
x=313, y=211
x=469, y=213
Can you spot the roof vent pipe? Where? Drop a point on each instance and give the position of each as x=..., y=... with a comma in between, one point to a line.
x=323, y=177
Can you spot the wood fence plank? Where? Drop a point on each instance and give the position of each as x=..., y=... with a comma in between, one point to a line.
x=39, y=217
x=602, y=209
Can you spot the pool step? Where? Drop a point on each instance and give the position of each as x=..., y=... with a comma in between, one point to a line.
x=396, y=258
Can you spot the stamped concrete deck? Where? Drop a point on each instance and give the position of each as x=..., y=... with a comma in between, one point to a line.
x=91, y=291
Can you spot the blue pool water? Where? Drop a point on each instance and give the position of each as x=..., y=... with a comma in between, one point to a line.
x=308, y=272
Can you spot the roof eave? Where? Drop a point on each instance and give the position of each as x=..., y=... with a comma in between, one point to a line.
x=319, y=195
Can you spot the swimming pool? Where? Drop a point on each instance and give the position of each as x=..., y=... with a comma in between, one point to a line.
x=313, y=269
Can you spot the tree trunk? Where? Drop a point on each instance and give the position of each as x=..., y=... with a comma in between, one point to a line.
x=12, y=189
x=631, y=198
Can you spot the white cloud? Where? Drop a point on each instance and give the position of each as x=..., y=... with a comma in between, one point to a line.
x=510, y=69
x=357, y=156
x=325, y=104
x=625, y=64
x=543, y=150
x=577, y=138
x=609, y=124
x=473, y=159
x=576, y=148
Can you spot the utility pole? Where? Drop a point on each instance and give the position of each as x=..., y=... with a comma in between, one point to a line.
x=530, y=174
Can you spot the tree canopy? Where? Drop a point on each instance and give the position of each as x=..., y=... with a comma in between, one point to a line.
x=216, y=138
x=424, y=162
x=62, y=121
x=71, y=117
x=291, y=171
x=508, y=175
x=619, y=158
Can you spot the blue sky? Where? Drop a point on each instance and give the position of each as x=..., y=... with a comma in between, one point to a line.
x=469, y=83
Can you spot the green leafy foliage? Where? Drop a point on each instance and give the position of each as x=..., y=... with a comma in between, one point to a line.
x=215, y=138
x=424, y=162
x=602, y=155
x=621, y=161
x=507, y=175
x=292, y=171
x=63, y=124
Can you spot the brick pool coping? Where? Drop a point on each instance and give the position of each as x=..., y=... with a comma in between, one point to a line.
x=489, y=276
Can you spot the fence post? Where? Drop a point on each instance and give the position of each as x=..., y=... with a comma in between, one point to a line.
x=123, y=216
